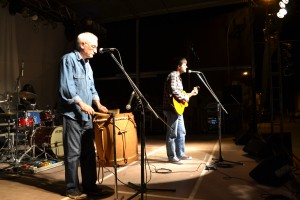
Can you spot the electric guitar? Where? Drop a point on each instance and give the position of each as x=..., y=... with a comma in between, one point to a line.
x=180, y=106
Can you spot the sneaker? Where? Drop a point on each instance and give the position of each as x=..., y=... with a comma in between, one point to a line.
x=77, y=195
x=185, y=158
x=174, y=160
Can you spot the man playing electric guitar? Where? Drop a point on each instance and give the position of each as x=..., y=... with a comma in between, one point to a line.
x=174, y=102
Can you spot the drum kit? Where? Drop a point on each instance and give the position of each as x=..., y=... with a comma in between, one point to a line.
x=28, y=134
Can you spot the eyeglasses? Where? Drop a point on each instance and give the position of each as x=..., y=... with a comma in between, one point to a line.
x=92, y=46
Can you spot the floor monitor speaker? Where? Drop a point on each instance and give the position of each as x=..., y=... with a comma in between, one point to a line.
x=272, y=171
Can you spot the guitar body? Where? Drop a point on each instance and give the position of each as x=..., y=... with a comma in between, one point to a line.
x=179, y=107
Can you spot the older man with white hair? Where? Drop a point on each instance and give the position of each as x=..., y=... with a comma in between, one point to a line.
x=77, y=93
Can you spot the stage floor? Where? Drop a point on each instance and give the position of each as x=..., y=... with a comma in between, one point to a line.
x=197, y=179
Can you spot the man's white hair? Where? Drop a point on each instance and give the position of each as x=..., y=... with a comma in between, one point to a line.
x=85, y=37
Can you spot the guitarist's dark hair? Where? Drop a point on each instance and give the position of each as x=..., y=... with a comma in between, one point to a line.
x=178, y=61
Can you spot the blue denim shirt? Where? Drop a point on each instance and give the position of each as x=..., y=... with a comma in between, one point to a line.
x=76, y=83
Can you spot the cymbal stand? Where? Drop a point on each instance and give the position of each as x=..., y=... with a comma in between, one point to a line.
x=10, y=150
x=17, y=106
x=10, y=141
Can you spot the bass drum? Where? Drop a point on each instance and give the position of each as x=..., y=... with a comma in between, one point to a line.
x=50, y=138
x=126, y=139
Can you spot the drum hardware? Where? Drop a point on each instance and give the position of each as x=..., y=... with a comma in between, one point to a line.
x=10, y=151
x=46, y=141
x=45, y=145
x=19, y=94
x=28, y=150
x=12, y=138
x=47, y=119
x=56, y=146
x=33, y=148
x=8, y=98
x=49, y=139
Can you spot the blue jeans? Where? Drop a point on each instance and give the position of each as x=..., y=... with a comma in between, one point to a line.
x=175, y=139
x=78, y=142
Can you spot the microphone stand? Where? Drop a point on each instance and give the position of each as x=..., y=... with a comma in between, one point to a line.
x=142, y=188
x=112, y=115
x=220, y=161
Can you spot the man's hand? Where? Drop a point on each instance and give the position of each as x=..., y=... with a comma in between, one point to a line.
x=86, y=108
x=195, y=91
x=102, y=108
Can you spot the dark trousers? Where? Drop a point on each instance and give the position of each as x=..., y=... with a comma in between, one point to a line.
x=78, y=141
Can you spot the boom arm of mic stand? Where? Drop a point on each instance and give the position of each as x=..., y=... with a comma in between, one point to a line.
x=212, y=92
x=137, y=91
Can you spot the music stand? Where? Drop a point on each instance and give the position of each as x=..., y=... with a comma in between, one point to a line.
x=142, y=188
x=220, y=161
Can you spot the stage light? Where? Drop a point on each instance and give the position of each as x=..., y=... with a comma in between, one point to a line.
x=245, y=73
x=283, y=11
x=279, y=15
x=281, y=4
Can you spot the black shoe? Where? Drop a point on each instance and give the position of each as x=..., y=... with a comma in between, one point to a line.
x=77, y=195
x=99, y=192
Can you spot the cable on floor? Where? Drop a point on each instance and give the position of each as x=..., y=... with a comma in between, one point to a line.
x=163, y=171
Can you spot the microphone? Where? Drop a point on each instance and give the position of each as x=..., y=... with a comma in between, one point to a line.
x=22, y=69
x=128, y=106
x=103, y=50
x=196, y=72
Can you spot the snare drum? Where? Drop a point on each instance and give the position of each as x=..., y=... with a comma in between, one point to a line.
x=126, y=139
x=50, y=138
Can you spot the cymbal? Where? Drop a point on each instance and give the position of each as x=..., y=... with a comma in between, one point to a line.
x=27, y=95
x=7, y=114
